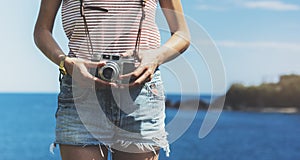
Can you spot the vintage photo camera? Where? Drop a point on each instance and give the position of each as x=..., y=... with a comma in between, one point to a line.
x=115, y=66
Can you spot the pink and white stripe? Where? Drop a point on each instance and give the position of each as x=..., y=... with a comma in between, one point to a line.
x=114, y=31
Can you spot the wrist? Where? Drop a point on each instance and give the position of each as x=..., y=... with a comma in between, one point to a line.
x=159, y=58
x=69, y=62
x=61, y=64
x=166, y=53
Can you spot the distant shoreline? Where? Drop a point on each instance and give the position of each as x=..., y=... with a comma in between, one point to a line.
x=284, y=110
x=187, y=103
x=190, y=105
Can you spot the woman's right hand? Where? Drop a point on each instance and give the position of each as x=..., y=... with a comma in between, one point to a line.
x=79, y=70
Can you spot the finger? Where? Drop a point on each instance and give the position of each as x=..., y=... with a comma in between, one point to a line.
x=122, y=86
x=83, y=79
x=135, y=73
x=128, y=53
x=103, y=84
x=145, y=77
x=95, y=64
x=80, y=70
x=82, y=75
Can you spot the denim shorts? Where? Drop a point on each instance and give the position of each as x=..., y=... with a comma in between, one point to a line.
x=122, y=118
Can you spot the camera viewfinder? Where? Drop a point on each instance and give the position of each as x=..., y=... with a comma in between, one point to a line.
x=115, y=58
x=105, y=56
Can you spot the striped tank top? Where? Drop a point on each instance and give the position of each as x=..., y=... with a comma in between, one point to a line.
x=110, y=32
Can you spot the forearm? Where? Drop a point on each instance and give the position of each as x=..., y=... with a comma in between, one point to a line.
x=43, y=30
x=46, y=43
x=176, y=45
x=180, y=39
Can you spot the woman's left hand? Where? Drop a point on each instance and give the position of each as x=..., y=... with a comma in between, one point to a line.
x=148, y=64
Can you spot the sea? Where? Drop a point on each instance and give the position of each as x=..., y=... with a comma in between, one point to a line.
x=28, y=122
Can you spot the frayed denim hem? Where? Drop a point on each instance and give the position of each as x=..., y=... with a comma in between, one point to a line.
x=145, y=146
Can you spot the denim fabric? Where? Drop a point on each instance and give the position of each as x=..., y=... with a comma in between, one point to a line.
x=129, y=116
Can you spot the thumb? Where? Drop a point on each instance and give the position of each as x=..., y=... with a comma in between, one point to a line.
x=128, y=53
x=95, y=64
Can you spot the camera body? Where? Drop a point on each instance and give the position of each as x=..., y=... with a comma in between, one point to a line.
x=115, y=66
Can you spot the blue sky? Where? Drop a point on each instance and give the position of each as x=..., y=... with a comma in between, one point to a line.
x=258, y=41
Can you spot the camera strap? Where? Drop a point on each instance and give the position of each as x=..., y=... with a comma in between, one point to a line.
x=138, y=38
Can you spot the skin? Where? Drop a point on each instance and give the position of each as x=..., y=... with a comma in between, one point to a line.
x=149, y=61
x=69, y=152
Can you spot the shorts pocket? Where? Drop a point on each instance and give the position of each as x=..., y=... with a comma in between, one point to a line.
x=155, y=91
x=155, y=88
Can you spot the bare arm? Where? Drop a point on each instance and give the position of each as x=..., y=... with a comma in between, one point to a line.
x=43, y=30
x=178, y=43
x=46, y=43
x=180, y=39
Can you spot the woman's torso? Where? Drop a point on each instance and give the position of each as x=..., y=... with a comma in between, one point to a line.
x=114, y=31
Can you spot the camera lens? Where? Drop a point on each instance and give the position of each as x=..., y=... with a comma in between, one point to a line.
x=108, y=73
